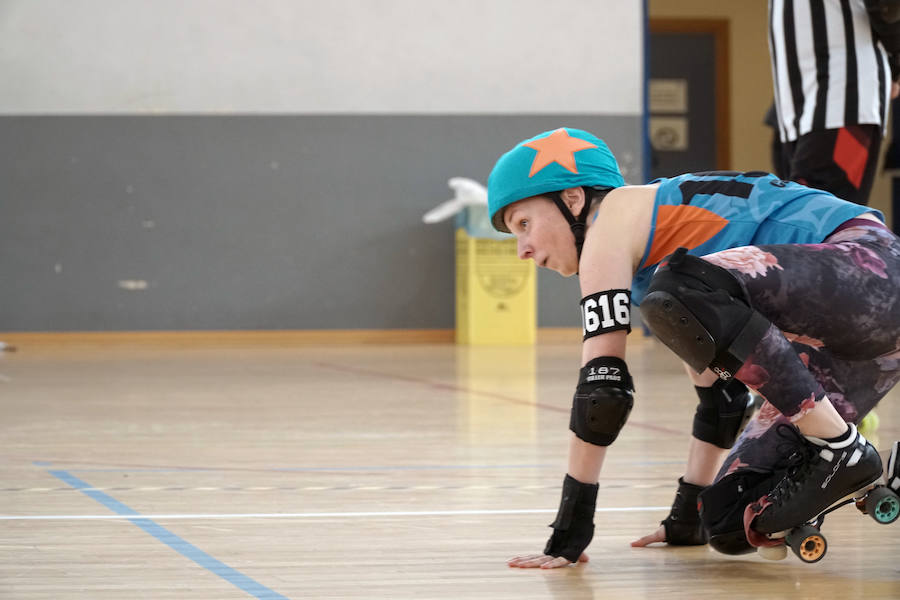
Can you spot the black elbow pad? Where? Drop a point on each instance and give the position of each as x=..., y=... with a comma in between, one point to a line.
x=603, y=401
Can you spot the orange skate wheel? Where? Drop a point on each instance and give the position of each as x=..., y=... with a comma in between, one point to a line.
x=807, y=543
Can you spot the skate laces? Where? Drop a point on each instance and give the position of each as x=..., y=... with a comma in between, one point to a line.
x=798, y=457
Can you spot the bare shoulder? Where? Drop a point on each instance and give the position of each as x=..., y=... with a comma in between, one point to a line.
x=639, y=194
x=621, y=223
x=626, y=206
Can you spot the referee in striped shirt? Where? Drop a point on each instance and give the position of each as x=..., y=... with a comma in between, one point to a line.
x=835, y=66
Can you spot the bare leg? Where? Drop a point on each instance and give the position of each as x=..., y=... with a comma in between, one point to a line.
x=822, y=421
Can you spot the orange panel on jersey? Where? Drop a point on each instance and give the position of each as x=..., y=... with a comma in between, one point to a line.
x=682, y=225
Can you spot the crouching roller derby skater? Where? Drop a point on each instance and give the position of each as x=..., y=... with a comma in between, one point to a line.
x=753, y=282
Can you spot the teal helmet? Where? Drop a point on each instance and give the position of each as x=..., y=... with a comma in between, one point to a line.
x=550, y=162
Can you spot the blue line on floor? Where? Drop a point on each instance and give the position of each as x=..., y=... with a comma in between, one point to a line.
x=232, y=576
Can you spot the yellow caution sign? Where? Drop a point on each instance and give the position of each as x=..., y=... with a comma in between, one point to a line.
x=496, y=293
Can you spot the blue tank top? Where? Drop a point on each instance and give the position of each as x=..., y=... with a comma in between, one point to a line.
x=709, y=212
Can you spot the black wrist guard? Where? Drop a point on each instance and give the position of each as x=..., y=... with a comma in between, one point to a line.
x=683, y=526
x=573, y=528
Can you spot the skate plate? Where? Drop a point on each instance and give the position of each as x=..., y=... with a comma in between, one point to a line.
x=806, y=540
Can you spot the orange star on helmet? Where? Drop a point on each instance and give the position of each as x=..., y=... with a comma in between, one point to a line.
x=558, y=147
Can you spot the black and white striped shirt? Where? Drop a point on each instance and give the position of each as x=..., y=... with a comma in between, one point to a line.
x=828, y=67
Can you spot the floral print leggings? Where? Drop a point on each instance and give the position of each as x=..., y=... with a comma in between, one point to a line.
x=835, y=313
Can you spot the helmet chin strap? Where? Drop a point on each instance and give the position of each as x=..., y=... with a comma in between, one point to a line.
x=576, y=224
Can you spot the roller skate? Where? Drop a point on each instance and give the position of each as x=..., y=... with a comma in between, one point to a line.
x=893, y=470
x=821, y=478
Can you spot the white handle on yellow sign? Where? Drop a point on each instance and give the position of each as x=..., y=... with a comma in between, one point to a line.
x=467, y=192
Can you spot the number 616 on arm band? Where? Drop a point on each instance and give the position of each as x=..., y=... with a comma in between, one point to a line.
x=606, y=311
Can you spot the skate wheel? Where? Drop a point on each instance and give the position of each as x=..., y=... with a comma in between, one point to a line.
x=778, y=552
x=883, y=505
x=807, y=543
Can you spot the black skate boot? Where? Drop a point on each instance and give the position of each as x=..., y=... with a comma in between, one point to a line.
x=819, y=475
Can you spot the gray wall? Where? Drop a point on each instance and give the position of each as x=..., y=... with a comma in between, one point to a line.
x=186, y=218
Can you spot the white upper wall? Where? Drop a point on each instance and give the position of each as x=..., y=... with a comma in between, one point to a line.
x=315, y=56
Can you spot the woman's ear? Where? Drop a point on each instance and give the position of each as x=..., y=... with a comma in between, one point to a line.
x=574, y=200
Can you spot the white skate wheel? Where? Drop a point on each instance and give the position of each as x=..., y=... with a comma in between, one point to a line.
x=778, y=552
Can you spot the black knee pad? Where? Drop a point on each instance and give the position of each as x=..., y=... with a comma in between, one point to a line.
x=722, y=508
x=724, y=410
x=702, y=313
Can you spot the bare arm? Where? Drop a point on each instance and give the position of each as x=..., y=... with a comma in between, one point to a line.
x=703, y=462
x=612, y=249
x=607, y=263
x=704, y=459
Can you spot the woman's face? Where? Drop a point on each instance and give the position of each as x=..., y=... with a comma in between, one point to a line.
x=543, y=234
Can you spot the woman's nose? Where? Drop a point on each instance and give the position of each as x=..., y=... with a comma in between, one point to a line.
x=525, y=251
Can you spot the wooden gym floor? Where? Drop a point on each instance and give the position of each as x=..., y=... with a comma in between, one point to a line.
x=273, y=469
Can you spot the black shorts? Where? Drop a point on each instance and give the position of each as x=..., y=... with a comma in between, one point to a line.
x=841, y=161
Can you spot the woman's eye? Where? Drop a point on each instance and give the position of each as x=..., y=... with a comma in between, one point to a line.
x=523, y=223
